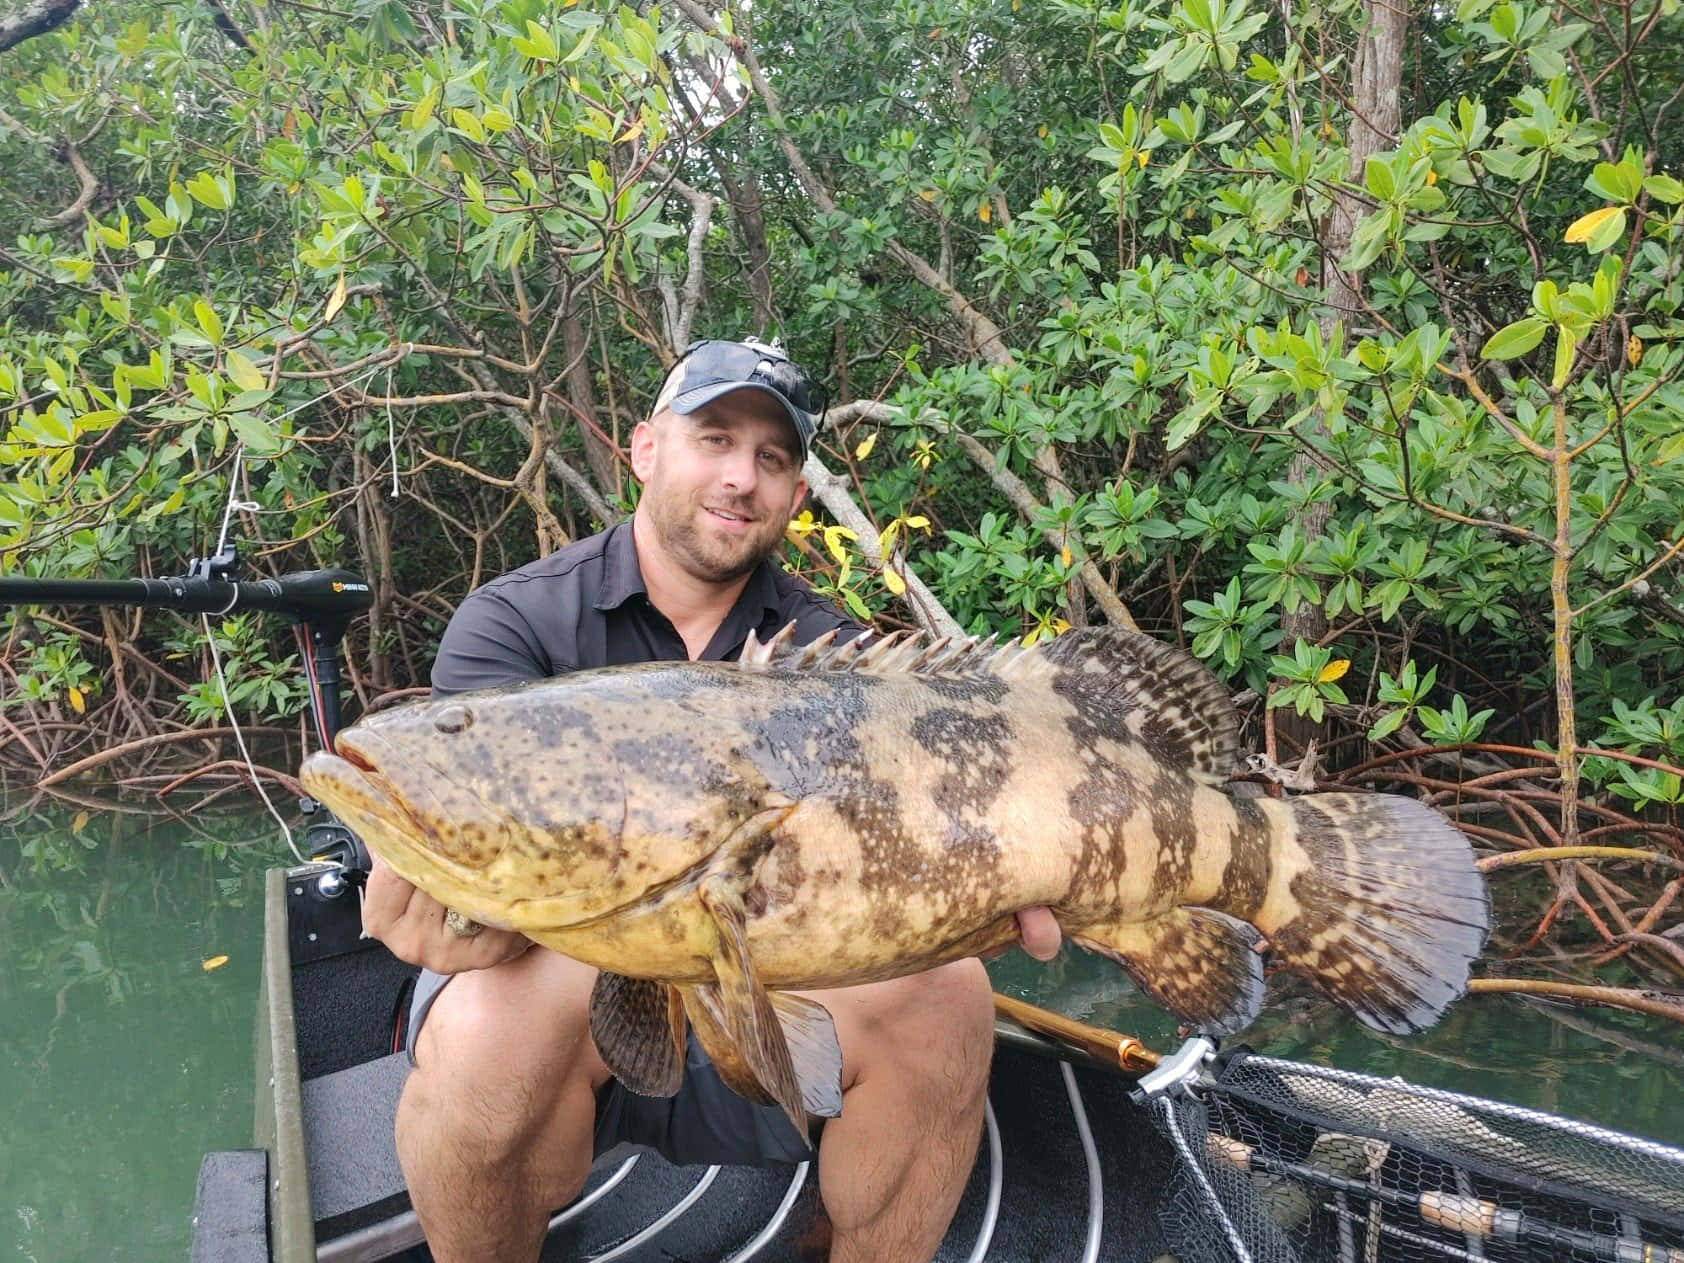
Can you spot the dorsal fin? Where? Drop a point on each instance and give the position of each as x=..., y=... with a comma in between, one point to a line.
x=896, y=653
x=1126, y=684
x=1154, y=693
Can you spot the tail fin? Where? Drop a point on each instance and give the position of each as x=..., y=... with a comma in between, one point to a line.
x=1389, y=911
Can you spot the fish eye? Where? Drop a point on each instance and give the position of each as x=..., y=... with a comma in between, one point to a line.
x=453, y=719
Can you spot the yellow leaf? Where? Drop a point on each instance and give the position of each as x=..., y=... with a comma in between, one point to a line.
x=1432, y=177
x=1333, y=670
x=631, y=133
x=864, y=449
x=79, y=822
x=335, y=300
x=1580, y=230
x=803, y=525
x=918, y=522
x=243, y=373
x=833, y=537
x=985, y=212
x=929, y=195
x=213, y=962
x=1634, y=350
x=893, y=581
x=1064, y=555
x=1140, y=156
x=78, y=700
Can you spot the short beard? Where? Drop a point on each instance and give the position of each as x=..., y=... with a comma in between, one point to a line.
x=681, y=538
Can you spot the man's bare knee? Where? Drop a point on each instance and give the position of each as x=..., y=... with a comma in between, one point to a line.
x=505, y=1059
x=936, y=1026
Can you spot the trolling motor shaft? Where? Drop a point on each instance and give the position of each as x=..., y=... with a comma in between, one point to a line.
x=304, y=594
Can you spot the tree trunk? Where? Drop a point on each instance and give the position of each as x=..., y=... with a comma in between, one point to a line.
x=1376, y=74
x=599, y=456
x=36, y=17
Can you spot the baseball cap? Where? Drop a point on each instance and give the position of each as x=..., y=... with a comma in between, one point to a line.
x=715, y=367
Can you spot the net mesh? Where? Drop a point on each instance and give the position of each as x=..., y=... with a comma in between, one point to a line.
x=1288, y=1163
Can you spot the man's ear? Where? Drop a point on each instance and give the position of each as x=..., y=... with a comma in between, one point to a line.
x=800, y=496
x=643, y=450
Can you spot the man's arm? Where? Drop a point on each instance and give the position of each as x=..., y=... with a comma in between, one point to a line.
x=487, y=643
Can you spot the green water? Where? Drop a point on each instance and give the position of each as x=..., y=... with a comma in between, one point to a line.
x=122, y=1059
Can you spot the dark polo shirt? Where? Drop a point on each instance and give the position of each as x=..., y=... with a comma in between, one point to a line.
x=585, y=606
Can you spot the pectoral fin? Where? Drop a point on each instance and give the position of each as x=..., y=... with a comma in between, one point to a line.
x=737, y=1022
x=1198, y=964
x=638, y=1027
x=813, y=1051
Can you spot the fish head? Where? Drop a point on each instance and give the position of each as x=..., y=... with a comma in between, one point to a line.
x=505, y=805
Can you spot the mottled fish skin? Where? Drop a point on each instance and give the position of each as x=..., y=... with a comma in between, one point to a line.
x=875, y=823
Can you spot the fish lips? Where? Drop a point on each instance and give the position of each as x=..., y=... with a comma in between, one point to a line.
x=397, y=817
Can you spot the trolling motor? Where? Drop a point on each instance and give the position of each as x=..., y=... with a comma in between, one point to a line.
x=319, y=603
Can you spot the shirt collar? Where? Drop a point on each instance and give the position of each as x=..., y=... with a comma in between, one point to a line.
x=622, y=579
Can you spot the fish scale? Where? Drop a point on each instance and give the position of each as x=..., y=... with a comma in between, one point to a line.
x=714, y=836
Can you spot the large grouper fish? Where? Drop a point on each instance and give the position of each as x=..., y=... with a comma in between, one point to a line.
x=713, y=835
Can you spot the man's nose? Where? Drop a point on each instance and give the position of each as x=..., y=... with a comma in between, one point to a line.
x=740, y=470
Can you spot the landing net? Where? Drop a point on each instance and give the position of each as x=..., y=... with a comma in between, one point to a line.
x=1292, y=1163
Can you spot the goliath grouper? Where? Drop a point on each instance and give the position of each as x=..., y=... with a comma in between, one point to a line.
x=712, y=835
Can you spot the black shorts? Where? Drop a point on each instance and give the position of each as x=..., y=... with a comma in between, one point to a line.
x=705, y=1123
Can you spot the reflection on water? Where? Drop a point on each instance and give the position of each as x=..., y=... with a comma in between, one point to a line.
x=1618, y=1070
x=122, y=1059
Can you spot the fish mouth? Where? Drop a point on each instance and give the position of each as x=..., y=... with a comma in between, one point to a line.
x=350, y=781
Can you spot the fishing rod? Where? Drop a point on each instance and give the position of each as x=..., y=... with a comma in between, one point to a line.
x=1111, y=1048
x=318, y=603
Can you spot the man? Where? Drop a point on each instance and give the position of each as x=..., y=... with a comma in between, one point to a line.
x=508, y=1099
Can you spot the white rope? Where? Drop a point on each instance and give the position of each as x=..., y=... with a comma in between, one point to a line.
x=249, y=506
x=240, y=740
x=391, y=425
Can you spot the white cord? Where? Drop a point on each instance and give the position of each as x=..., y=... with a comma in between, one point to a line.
x=391, y=433
x=216, y=662
x=240, y=740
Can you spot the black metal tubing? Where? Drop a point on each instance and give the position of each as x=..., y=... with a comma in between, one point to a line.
x=321, y=601
x=304, y=595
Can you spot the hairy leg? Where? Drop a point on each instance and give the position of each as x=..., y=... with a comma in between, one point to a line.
x=915, y=1058
x=495, y=1124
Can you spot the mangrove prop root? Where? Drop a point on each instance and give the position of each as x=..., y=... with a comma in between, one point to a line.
x=1653, y=1003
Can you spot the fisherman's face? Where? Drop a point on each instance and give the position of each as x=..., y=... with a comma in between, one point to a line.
x=720, y=484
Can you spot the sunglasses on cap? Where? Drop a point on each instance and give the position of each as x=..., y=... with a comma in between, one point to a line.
x=714, y=367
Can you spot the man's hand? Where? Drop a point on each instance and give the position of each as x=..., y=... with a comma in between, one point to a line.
x=1038, y=933
x=411, y=924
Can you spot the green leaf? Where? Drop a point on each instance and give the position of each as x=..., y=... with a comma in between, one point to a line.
x=1377, y=176
x=1565, y=343
x=258, y=436
x=1512, y=341
x=539, y=44
x=468, y=124
x=205, y=189
x=208, y=320
x=1665, y=188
